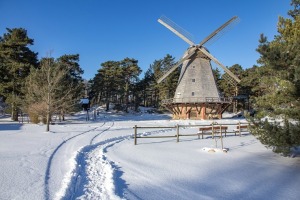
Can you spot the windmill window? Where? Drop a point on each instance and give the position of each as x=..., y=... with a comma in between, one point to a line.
x=193, y=93
x=193, y=80
x=193, y=66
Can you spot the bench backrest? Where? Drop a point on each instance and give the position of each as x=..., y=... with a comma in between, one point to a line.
x=205, y=128
x=243, y=126
x=215, y=128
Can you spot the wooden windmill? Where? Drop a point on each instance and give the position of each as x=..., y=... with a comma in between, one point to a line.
x=197, y=95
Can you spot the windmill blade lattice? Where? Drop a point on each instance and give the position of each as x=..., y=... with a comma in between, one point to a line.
x=220, y=31
x=172, y=68
x=229, y=79
x=176, y=29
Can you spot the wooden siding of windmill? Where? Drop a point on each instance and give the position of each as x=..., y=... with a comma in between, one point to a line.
x=197, y=96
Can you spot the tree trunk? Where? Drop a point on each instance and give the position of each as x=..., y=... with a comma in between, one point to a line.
x=14, y=112
x=126, y=97
x=48, y=121
x=107, y=105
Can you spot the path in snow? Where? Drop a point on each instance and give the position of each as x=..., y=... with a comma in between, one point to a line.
x=79, y=179
x=50, y=171
x=94, y=175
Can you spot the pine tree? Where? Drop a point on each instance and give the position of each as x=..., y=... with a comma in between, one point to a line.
x=130, y=72
x=16, y=61
x=73, y=78
x=167, y=87
x=108, y=82
x=278, y=88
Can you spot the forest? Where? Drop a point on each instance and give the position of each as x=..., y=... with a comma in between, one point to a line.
x=51, y=86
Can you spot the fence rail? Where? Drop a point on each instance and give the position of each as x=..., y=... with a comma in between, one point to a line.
x=197, y=100
x=212, y=129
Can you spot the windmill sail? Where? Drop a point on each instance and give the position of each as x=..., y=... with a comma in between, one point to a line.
x=180, y=32
x=217, y=33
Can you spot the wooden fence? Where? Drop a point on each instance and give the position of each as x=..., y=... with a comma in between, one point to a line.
x=213, y=129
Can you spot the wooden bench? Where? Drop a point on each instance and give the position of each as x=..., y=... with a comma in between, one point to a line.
x=222, y=129
x=212, y=130
x=241, y=128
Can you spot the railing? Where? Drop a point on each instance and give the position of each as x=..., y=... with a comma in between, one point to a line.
x=197, y=100
x=215, y=129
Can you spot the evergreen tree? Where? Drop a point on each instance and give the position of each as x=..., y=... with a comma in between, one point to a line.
x=226, y=87
x=130, y=72
x=167, y=87
x=73, y=78
x=16, y=60
x=147, y=88
x=108, y=82
x=278, y=86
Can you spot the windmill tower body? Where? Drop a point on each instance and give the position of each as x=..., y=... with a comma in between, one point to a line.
x=196, y=95
x=196, y=81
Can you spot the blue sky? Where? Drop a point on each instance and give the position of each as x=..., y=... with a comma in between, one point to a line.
x=103, y=30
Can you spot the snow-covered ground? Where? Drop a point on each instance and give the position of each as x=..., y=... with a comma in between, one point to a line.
x=98, y=160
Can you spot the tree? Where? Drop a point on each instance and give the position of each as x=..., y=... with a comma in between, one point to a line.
x=107, y=82
x=46, y=91
x=167, y=87
x=16, y=60
x=147, y=88
x=226, y=87
x=131, y=71
x=279, y=86
x=73, y=77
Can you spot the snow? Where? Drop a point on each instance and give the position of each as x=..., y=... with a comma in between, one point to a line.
x=98, y=160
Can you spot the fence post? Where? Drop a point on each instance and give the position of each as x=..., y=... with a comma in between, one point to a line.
x=135, y=133
x=177, y=132
x=239, y=128
x=221, y=136
x=212, y=131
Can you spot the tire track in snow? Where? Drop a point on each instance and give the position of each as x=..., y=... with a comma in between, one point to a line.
x=92, y=140
x=48, y=170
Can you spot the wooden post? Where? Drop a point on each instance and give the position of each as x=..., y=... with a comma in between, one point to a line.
x=221, y=136
x=212, y=131
x=177, y=132
x=135, y=133
x=239, y=128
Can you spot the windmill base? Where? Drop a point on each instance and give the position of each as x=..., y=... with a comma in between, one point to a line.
x=197, y=111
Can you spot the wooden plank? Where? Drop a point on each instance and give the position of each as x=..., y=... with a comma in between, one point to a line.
x=163, y=136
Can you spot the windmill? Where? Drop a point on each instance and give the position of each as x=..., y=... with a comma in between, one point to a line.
x=196, y=95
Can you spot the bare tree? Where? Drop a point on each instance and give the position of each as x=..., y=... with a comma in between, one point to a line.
x=44, y=87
